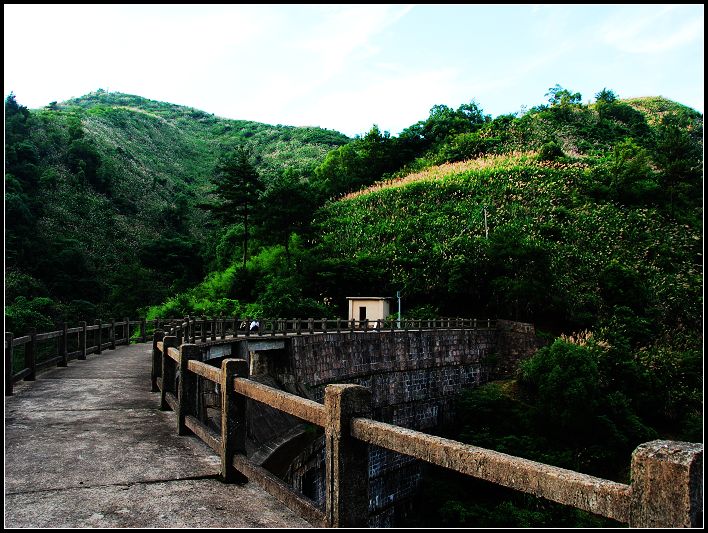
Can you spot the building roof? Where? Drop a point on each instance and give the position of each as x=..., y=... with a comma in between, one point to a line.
x=368, y=297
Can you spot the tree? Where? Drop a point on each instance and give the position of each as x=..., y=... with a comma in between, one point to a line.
x=287, y=205
x=606, y=95
x=631, y=177
x=562, y=97
x=237, y=185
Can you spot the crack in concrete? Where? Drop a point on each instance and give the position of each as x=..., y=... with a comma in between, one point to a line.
x=124, y=484
x=45, y=410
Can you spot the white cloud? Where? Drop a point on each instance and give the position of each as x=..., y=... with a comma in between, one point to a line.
x=388, y=101
x=650, y=33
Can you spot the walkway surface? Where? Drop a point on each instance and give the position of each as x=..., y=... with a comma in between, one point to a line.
x=86, y=446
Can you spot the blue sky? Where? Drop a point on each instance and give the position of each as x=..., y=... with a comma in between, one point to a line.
x=348, y=67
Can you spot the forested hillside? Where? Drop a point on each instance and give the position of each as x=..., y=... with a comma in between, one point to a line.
x=585, y=219
x=101, y=201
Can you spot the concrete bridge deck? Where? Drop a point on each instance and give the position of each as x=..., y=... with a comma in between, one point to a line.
x=86, y=446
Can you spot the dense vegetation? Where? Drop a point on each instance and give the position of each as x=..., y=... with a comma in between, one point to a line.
x=101, y=201
x=583, y=219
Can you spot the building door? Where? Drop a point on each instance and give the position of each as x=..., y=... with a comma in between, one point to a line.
x=362, y=313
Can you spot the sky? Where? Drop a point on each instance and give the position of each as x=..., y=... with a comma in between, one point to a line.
x=348, y=67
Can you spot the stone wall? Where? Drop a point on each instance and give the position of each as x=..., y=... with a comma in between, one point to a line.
x=414, y=377
x=515, y=341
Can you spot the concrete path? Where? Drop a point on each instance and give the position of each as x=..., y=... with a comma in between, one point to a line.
x=86, y=446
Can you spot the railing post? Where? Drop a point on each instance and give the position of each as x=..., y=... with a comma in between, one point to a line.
x=82, y=341
x=62, y=345
x=31, y=355
x=223, y=327
x=213, y=329
x=233, y=418
x=347, y=459
x=127, y=331
x=8, y=363
x=168, y=371
x=297, y=326
x=248, y=327
x=203, y=329
x=178, y=334
x=667, y=485
x=187, y=393
x=143, y=329
x=311, y=325
x=100, y=333
x=112, y=335
x=324, y=325
x=158, y=336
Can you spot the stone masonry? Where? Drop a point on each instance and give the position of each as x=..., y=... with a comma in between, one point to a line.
x=413, y=377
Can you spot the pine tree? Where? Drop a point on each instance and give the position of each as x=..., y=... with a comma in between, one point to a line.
x=237, y=185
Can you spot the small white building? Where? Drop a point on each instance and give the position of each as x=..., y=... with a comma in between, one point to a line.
x=368, y=307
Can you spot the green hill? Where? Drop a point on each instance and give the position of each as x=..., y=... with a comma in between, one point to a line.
x=586, y=220
x=101, y=196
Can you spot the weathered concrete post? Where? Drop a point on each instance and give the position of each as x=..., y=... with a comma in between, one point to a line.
x=213, y=329
x=178, y=334
x=99, y=332
x=187, y=393
x=168, y=371
x=298, y=326
x=31, y=355
x=233, y=418
x=143, y=334
x=203, y=329
x=347, y=459
x=667, y=485
x=8, y=363
x=62, y=345
x=248, y=327
x=82, y=341
x=311, y=325
x=127, y=331
x=112, y=335
x=158, y=336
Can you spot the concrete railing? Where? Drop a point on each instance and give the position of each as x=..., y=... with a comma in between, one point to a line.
x=195, y=329
x=666, y=488
x=26, y=355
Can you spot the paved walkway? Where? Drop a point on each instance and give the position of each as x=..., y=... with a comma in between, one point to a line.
x=86, y=446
